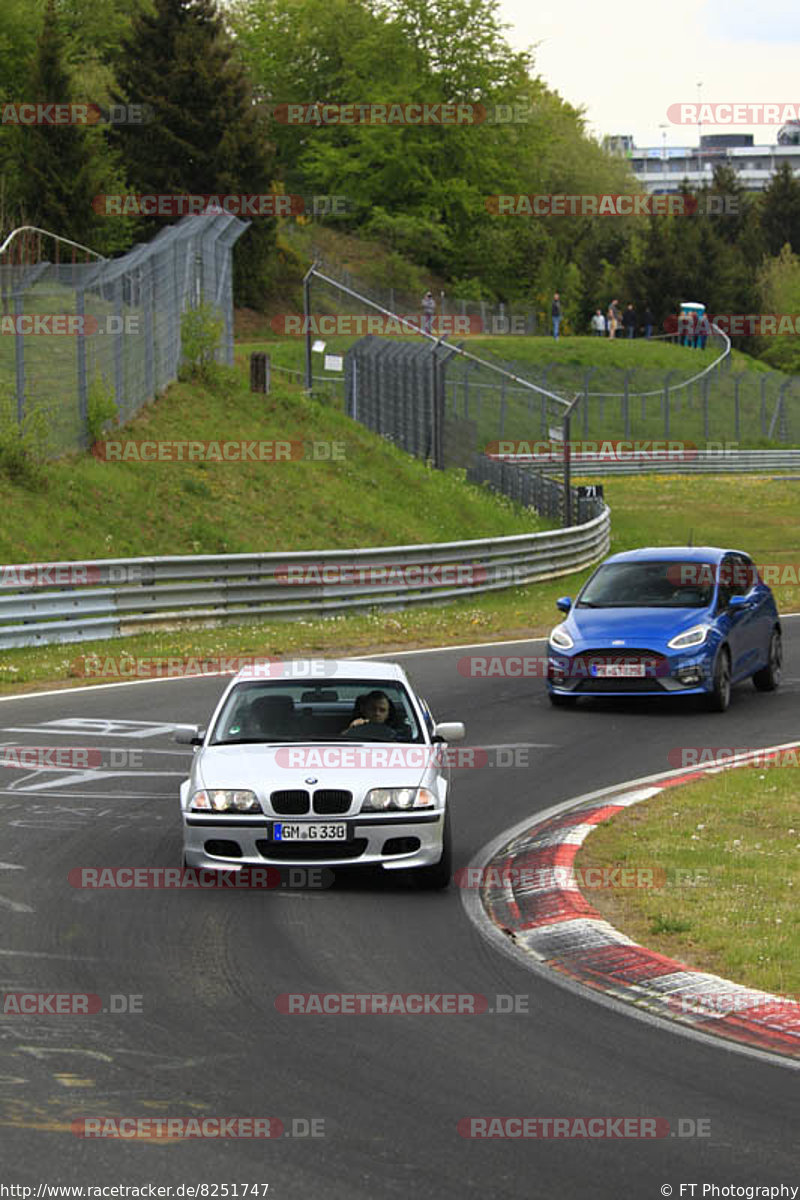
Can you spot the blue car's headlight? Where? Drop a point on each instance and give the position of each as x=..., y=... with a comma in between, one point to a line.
x=691, y=638
x=560, y=638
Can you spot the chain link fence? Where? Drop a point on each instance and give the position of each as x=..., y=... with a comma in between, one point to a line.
x=76, y=332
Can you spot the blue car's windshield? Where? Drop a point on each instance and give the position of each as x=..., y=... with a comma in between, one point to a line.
x=650, y=585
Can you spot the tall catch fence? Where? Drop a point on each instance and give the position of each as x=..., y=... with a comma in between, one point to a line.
x=74, y=330
x=704, y=400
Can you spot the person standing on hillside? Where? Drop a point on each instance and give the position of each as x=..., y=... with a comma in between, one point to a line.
x=629, y=321
x=614, y=318
x=648, y=320
x=555, y=313
x=598, y=323
x=428, y=312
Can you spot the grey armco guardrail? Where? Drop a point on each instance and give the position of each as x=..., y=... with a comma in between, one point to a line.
x=703, y=462
x=48, y=603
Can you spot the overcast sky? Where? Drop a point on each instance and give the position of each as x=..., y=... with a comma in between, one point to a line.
x=625, y=64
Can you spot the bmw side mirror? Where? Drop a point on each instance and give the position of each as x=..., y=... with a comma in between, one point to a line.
x=564, y=603
x=738, y=602
x=448, y=731
x=189, y=735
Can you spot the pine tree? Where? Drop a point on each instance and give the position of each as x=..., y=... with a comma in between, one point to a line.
x=780, y=212
x=206, y=136
x=59, y=166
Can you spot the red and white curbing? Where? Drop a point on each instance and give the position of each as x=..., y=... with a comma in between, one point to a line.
x=558, y=927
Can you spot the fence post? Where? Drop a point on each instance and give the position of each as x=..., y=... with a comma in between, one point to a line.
x=763, y=382
x=587, y=374
x=706, y=429
x=19, y=357
x=667, y=378
x=307, y=315
x=83, y=389
x=737, y=414
x=626, y=413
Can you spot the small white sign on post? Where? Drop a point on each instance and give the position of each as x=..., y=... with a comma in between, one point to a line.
x=555, y=433
x=334, y=362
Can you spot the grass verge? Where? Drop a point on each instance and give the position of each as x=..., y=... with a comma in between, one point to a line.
x=645, y=511
x=729, y=846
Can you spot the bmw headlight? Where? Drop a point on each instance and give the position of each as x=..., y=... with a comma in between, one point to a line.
x=691, y=638
x=383, y=799
x=560, y=638
x=225, y=800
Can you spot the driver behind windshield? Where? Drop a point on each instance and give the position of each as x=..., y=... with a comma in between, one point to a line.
x=375, y=718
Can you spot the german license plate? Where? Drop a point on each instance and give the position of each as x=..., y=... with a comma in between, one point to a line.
x=321, y=831
x=620, y=670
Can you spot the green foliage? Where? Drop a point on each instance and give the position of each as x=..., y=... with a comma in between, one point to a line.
x=100, y=408
x=206, y=137
x=24, y=446
x=201, y=330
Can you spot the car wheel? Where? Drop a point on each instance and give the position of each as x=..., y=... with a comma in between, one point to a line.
x=769, y=677
x=437, y=876
x=720, y=695
x=558, y=701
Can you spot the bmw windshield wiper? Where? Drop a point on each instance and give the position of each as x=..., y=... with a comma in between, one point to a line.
x=262, y=741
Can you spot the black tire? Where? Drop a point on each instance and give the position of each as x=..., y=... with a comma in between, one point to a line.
x=720, y=695
x=769, y=677
x=437, y=876
x=558, y=701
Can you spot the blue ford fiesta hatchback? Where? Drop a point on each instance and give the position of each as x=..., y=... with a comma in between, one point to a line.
x=667, y=621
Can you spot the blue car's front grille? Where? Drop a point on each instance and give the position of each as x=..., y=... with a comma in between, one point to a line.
x=608, y=686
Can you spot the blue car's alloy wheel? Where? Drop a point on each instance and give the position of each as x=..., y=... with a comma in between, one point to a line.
x=720, y=695
x=769, y=677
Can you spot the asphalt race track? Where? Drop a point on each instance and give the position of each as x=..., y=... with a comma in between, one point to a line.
x=206, y=967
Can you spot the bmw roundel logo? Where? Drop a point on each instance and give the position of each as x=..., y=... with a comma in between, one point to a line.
x=311, y=779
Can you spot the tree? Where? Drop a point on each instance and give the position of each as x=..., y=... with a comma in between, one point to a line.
x=206, y=136
x=780, y=211
x=59, y=166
